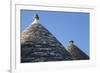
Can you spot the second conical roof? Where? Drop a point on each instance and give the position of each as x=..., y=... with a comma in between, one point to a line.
x=76, y=52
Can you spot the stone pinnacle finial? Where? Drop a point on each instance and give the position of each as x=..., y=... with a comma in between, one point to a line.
x=37, y=17
x=71, y=42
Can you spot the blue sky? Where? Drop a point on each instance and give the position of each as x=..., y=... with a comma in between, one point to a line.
x=64, y=26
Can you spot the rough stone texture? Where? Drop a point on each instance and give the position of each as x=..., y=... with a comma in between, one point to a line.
x=39, y=45
x=76, y=53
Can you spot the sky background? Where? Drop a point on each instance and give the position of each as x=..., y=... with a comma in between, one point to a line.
x=64, y=26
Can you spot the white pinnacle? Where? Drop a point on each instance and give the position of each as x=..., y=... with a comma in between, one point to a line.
x=36, y=19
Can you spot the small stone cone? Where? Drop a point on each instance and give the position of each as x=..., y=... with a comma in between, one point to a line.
x=76, y=53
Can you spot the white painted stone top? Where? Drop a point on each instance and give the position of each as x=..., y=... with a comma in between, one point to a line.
x=36, y=19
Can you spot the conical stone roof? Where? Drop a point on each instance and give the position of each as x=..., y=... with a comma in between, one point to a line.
x=76, y=53
x=39, y=45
